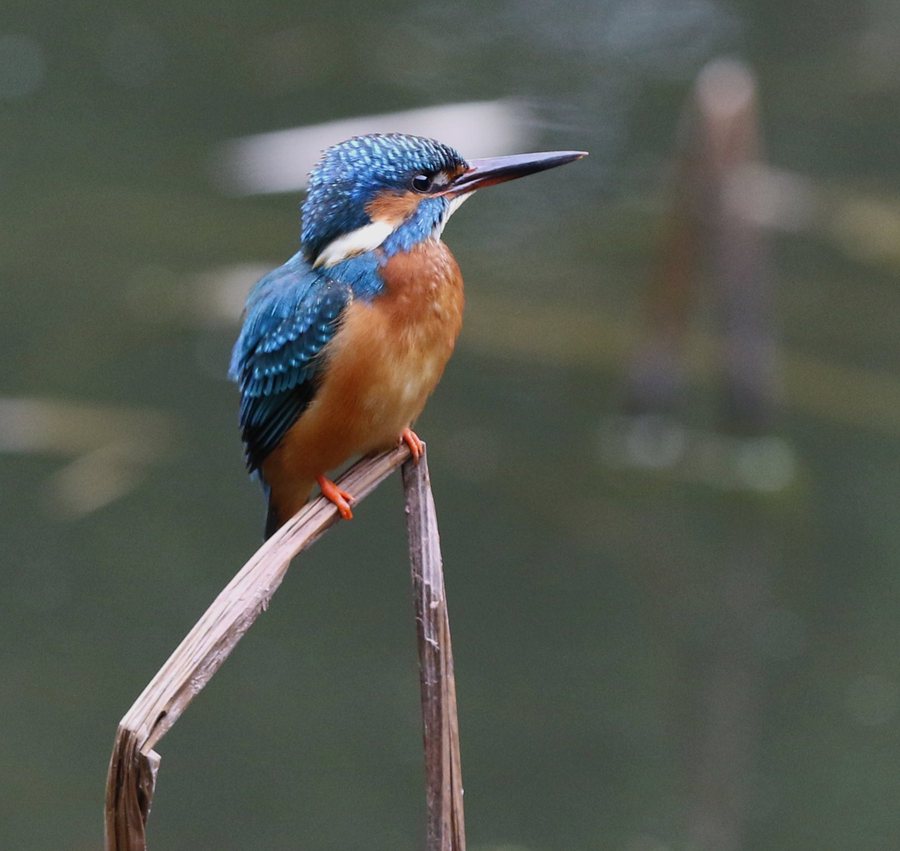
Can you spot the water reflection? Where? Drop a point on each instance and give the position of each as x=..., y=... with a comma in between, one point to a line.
x=621, y=626
x=106, y=450
x=22, y=66
x=280, y=161
x=135, y=54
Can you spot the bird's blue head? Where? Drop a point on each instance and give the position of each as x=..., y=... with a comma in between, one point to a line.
x=392, y=191
x=364, y=189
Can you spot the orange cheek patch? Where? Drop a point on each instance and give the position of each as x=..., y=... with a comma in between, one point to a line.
x=392, y=207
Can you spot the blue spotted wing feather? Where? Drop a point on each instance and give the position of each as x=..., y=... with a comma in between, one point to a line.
x=291, y=315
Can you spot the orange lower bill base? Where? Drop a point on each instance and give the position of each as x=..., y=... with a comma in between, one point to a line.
x=337, y=495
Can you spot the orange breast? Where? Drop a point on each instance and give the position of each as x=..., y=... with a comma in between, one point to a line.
x=382, y=365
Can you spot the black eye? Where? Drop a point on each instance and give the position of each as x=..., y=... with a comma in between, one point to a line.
x=422, y=182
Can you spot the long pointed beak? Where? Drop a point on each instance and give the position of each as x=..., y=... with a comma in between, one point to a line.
x=487, y=172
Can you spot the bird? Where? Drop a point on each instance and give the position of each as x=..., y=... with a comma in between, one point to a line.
x=342, y=345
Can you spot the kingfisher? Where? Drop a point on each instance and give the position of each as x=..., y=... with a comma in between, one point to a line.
x=343, y=344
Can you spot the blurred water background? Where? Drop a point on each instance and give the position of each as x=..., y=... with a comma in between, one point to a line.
x=689, y=643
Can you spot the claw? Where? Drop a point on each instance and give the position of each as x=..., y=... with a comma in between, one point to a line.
x=337, y=495
x=414, y=442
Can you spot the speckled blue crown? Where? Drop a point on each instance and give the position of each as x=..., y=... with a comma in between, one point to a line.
x=353, y=172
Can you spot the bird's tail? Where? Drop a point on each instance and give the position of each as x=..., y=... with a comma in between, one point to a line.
x=273, y=521
x=284, y=503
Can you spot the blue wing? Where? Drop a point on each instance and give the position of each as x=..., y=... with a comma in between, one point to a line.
x=290, y=316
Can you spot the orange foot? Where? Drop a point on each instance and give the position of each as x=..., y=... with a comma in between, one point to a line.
x=414, y=442
x=337, y=495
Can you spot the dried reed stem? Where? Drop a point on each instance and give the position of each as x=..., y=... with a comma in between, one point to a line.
x=443, y=776
x=134, y=763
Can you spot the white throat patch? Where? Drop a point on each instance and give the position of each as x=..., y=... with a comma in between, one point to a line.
x=359, y=241
x=370, y=236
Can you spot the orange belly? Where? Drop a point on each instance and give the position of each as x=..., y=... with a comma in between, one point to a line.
x=380, y=369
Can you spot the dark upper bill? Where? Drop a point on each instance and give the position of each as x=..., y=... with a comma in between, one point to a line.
x=487, y=172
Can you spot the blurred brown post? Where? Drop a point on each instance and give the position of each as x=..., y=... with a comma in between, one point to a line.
x=708, y=231
x=713, y=231
x=134, y=762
